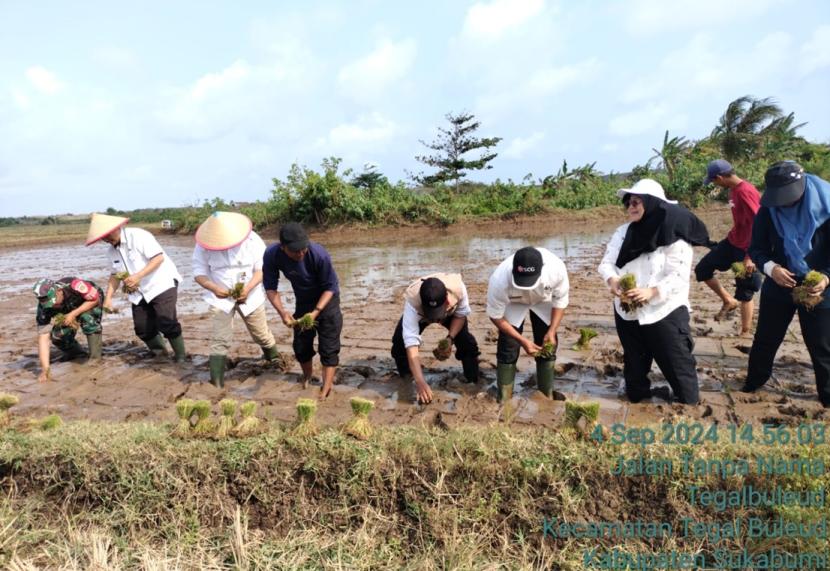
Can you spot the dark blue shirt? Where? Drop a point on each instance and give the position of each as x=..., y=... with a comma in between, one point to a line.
x=309, y=277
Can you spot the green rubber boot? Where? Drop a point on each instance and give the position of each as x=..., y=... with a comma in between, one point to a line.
x=505, y=376
x=544, y=377
x=95, y=346
x=179, y=354
x=270, y=353
x=157, y=346
x=217, y=370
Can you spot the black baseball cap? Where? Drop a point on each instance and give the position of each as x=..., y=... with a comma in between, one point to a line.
x=527, y=267
x=293, y=236
x=434, y=299
x=784, y=182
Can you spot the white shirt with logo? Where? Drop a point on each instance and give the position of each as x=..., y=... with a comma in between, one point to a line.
x=504, y=300
x=135, y=251
x=227, y=267
x=411, y=320
x=667, y=268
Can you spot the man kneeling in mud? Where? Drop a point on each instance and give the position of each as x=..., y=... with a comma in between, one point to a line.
x=71, y=303
x=438, y=298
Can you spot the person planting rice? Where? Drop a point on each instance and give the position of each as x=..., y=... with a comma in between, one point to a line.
x=73, y=304
x=791, y=237
x=436, y=298
x=227, y=252
x=744, y=201
x=152, y=281
x=307, y=266
x=535, y=281
x=655, y=246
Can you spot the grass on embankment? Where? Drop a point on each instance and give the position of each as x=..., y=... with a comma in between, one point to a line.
x=128, y=496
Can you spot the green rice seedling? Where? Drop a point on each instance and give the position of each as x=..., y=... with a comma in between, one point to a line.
x=51, y=422
x=576, y=410
x=358, y=426
x=585, y=336
x=548, y=351
x=800, y=294
x=60, y=321
x=627, y=283
x=739, y=269
x=205, y=426
x=6, y=402
x=306, y=409
x=121, y=276
x=249, y=424
x=228, y=407
x=184, y=408
x=305, y=323
x=236, y=291
x=444, y=349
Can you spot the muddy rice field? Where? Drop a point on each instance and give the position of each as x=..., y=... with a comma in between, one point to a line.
x=374, y=266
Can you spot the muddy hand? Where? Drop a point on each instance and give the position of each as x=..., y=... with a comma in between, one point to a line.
x=69, y=321
x=531, y=348
x=819, y=289
x=44, y=376
x=424, y=392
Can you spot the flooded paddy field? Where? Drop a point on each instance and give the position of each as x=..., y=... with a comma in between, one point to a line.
x=374, y=267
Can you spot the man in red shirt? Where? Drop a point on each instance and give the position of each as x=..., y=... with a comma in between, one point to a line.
x=745, y=202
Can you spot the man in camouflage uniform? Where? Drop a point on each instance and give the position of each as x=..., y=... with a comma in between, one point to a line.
x=73, y=303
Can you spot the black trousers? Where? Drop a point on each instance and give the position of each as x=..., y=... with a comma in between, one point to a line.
x=508, y=349
x=774, y=318
x=669, y=342
x=721, y=258
x=329, y=327
x=159, y=315
x=466, y=346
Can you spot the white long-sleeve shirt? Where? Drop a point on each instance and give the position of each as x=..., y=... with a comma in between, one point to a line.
x=227, y=267
x=412, y=319
x=667, y=268
x=135, y=251
x=512, y=304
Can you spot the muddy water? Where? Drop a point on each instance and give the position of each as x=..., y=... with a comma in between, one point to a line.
x=374, y=268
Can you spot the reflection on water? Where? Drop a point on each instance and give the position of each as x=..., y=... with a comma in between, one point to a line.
x=366, y=272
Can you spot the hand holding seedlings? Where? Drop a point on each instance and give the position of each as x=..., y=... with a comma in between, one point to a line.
x=614, y=286
x=237, y=292
x=530, y=347
x=128, y=285
x=62, y=320
x=809, y=293
x=741, y=271
x=305, y=323
x=444, y=349
x=783, y=277
x=548, y=350
x=628, y=288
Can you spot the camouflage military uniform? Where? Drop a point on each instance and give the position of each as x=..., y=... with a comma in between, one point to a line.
x=76, y=292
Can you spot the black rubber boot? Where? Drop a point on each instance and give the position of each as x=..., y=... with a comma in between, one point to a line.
x=505, y=377
x=544, y=377
x=179, y=354
x=217, y=370
x=157, y=345
x=470, y=369
x=95, y=346
x=270, y=353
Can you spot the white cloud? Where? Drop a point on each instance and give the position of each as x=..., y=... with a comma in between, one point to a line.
x=610, y=147
x=653, y=17
x=815, y=52
x=651, y=117
x=490, y=21
x=368, y=77
x=226, y=79
x=115, y=57
x=44, y=80
x=369, y=131
x=519, y=146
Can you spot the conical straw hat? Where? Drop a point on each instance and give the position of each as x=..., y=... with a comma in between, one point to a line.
x=103, y=224
x=223, y=230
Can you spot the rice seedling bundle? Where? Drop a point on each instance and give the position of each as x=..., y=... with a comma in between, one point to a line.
x=444, y=349
x=236, y=290
x=205, y=426
x=739, y=269
x=51, y=422
x=228, y=408
x=249, y=424
x=305, y=323
x=585, y=336
x=121, y=276
x=548, y=351
x=800, y=294
x=306, y=408
x=184, y=408
x=60, y=321
x=6, y=402
x=627, y=283
x=358, y=426
x=582, y=418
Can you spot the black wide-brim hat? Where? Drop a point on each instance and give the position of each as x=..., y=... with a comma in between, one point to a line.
x=785, y=183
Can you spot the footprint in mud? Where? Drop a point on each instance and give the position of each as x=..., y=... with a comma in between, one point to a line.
x=792, y=410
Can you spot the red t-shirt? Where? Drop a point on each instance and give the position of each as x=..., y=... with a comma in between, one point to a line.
x=745, y=202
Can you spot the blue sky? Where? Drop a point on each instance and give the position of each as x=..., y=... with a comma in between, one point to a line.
x=169, y=103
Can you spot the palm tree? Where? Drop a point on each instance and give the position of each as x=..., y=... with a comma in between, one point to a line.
x=671, y=152
x=747, y=122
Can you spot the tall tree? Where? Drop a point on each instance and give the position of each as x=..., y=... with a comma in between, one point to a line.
x=451, y=146
x=748, y=122
x=671, y=153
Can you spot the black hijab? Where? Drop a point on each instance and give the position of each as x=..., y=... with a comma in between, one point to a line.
x=662, y=224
